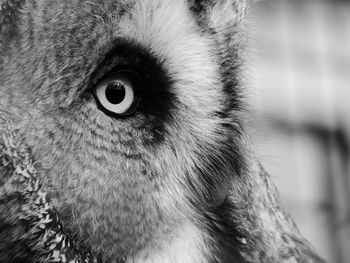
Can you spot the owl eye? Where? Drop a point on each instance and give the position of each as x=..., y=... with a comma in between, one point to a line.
x=116, y=94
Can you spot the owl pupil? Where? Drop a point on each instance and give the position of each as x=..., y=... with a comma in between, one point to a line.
x=115, y=92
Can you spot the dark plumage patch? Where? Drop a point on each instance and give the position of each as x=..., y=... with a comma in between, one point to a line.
x=227, y=161
x=229, y=43
x=198, y=6
x=200, y=9
x=154, y=88
x=9, y=10
x=9, y=16
x=215, y=176
x=227, y=246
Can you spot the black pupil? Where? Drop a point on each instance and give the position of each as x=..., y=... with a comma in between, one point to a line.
x=115, y=92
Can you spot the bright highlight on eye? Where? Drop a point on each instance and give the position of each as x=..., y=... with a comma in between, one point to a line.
x=117, y=94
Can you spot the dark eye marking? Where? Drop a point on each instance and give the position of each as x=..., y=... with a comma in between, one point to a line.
x=131, y=78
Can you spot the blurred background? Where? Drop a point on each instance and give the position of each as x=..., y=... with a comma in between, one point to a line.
x=300, y=103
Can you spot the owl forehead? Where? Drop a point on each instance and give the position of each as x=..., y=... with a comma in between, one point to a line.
x=166, y=29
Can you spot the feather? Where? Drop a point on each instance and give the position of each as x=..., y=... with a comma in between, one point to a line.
x=30, y=226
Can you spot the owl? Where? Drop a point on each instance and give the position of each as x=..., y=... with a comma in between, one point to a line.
x=135, y=112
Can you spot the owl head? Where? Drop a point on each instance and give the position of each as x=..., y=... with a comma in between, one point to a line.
x=133, y=110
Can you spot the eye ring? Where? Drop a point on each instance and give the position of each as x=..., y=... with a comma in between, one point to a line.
x=117, y=94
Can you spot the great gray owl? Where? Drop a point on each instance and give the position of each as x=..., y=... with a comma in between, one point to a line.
x=131, y=111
